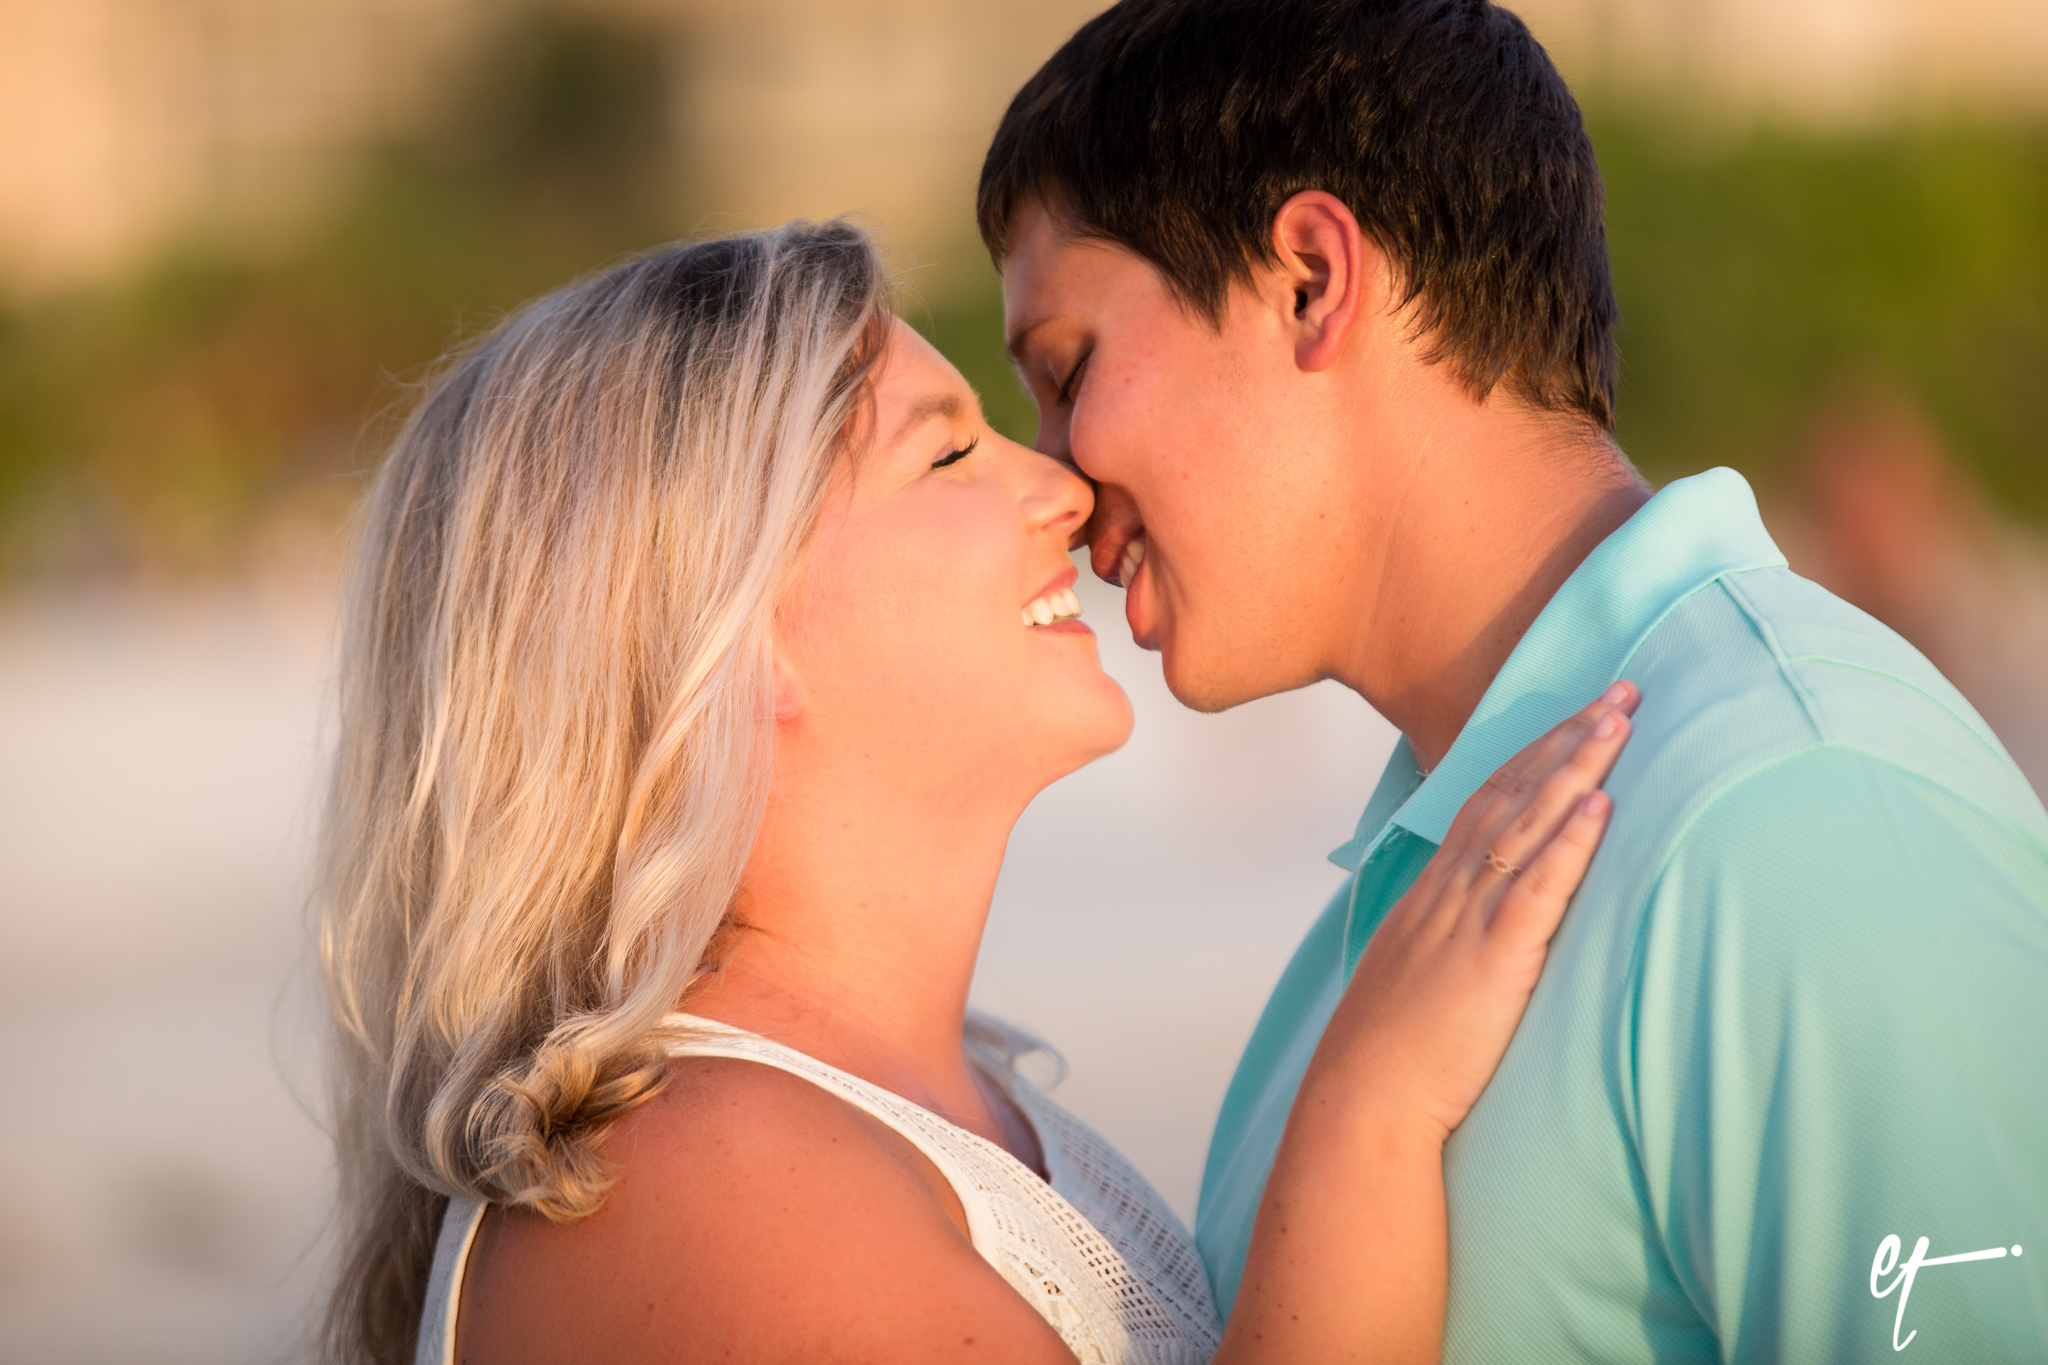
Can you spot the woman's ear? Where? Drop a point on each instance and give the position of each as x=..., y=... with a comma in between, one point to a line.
x=1327, y=266
x=786, y=694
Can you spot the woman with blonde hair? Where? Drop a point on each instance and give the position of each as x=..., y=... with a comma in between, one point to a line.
x=703, y=645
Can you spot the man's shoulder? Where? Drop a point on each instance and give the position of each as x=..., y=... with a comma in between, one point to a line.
x=1814, y=830
x=1764, y=687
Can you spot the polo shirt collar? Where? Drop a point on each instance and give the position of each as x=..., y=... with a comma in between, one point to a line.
x=1688, y=535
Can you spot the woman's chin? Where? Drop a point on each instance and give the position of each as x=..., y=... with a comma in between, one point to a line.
x=1095, y=727
x=1118, y=732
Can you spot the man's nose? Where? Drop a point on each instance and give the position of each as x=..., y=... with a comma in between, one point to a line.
x=1110, y=528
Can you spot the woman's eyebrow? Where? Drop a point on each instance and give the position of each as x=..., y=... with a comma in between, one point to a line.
x=946, y=405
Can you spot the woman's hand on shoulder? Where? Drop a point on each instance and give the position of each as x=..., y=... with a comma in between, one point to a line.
x=1349, y=1257
x=1444, y=980
x=756, y=1217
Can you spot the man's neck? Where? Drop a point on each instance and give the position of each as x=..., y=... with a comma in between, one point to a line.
x=1469, y=560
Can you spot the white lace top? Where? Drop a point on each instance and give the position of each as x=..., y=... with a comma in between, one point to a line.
x=1095, y=1251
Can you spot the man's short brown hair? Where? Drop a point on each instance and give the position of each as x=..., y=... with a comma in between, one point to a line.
x=1177, y=129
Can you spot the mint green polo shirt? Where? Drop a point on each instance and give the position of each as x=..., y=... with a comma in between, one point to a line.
x=1798, y=1007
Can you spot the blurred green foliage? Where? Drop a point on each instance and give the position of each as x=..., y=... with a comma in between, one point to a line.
x=152, y=427
x=1755, y=272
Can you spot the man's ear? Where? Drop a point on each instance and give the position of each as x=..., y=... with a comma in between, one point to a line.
x=1329, y=266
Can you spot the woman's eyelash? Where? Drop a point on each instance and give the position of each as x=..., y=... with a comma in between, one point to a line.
x=956, y=456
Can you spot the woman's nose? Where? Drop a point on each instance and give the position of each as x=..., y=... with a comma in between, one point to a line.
x=1058, y=499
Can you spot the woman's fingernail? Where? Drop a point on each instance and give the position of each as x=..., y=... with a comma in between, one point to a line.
x=1615, y=695
x=1593, y=802
x=1607, y=725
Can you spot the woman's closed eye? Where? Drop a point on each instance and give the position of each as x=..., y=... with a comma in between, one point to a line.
x=955, y=456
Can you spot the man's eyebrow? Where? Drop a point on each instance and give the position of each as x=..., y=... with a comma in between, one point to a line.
x=946, y=405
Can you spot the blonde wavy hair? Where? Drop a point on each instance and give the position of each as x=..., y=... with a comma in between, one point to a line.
x=554, y=730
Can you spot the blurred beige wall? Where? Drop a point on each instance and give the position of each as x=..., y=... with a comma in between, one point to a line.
x=129, y=121
x=126, y=122
x=1815, y=61
x=817, y=107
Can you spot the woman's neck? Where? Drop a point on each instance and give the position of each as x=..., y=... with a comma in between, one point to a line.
x=861, y=915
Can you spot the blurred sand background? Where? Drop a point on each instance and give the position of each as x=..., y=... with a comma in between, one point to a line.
x=233, y=231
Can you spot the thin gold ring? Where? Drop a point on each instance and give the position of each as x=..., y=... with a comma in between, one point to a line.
x=1500, y=864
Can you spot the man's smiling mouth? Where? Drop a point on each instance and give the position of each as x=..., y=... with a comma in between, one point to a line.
x=1116, y=559
x=1128, y=562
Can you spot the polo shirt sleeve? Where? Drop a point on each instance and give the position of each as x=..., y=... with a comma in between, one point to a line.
x=1838, y=1033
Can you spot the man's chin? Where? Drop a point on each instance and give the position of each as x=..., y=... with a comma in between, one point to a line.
x=1208, y=689
x=1211, y=680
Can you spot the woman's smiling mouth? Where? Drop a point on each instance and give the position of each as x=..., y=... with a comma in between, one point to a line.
x=1060, y=604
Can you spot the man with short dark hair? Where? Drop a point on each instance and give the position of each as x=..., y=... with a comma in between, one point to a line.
x=1317, y=292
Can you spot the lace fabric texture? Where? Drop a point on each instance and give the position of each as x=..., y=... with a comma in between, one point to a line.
x=1095, y=1251
x=1164, y=1311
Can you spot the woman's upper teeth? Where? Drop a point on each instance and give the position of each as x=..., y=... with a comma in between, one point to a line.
x=1058, y=605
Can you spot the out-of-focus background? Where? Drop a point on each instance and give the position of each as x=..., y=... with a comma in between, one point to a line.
x=232, y=232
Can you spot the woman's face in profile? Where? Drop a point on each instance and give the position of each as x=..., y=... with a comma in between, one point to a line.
x=933, y=625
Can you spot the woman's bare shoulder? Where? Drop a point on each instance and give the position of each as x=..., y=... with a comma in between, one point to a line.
x=756, y=1216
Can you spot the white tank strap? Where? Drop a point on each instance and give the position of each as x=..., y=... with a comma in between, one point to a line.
x=933, y=1136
